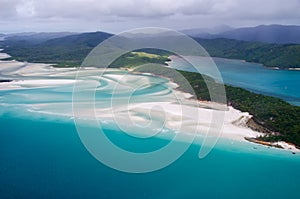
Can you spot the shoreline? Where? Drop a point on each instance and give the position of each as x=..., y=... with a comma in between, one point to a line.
x=4, y=56
x=248, y=123
x=242, y=60
x=235, y=126
x=298, y=69
x=279, y=144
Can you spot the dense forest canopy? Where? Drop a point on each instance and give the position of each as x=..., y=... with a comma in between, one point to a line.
x=72, y=49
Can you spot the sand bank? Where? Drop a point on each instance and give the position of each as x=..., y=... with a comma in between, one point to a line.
x=160, y=109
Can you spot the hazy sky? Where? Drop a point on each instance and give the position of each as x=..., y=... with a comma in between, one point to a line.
x=120, y=15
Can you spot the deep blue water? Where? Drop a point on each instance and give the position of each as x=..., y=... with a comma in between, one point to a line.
x=46, y=159
x=284, y=84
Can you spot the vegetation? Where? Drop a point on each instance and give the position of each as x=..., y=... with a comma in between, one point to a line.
x=133, y=59
x=71, y=50
x=272, y=113
x=65, y=51
x=273, y=55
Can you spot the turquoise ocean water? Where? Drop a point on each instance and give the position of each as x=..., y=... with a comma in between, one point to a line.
x=41, y=156
x=46, y=159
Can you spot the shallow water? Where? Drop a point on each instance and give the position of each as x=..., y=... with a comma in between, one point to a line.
x=42, y=155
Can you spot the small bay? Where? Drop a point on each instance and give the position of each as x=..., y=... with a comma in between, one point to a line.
x=255, y=77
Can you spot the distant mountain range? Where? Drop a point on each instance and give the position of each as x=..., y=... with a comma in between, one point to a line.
x=65, y=50
x=33, y=37
x=91, y=39
x=206, y=32
x=277, y=34
x=70, y=50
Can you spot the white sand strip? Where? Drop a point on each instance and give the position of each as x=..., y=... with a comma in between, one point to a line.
x=164, y=110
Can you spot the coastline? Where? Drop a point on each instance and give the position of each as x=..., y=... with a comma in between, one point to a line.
x=235, y=122
x=252, y=124
x=280, y=68
x=242, y=60
x=4, y=55
x=244, y=121
x=294, y=69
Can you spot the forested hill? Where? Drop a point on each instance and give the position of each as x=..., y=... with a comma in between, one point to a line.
x=35, y=38
x=66, y=51
x=273, y=34
x=71, y=50
x=272, y=55
x=280, y=34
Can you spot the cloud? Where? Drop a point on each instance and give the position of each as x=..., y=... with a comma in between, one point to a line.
x=267, y=9
x=173, y=13
x=26, y=9
x=120, y=8
x=146, y=8
x=8, y=8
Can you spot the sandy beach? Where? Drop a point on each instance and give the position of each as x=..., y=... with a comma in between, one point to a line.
x=3, y=55
x=294, y=68
x=174, y=111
